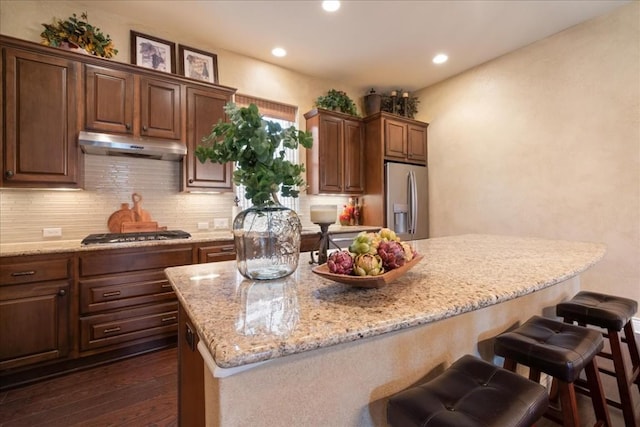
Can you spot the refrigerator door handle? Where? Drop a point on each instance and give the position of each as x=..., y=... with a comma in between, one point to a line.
x=413, y=203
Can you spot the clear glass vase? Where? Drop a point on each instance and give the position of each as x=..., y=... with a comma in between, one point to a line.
x=267, y=241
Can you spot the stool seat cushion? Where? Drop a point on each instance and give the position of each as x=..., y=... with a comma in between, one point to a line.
x=558, y=349
x=471, y=393
x=592, y=308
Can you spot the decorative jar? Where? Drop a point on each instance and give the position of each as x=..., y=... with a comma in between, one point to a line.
x=267, y=241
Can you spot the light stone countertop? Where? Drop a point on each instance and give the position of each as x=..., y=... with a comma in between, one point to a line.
x=65, y=246
x=243, y=322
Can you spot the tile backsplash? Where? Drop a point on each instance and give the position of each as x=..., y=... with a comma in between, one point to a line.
x=109, y=182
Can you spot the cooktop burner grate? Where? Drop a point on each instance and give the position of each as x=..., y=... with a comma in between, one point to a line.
x=141, y=236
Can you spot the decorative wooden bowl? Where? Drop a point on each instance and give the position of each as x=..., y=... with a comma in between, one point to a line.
x=366, y=281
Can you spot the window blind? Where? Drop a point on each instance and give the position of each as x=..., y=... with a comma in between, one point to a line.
x=272, y=109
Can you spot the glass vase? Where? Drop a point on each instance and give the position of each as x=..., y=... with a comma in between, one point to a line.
x=267, y=241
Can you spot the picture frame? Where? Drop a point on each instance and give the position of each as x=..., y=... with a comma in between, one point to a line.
x=198, y=64
x=154, y=53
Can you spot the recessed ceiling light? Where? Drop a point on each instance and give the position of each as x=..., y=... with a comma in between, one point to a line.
x=440, y=58
x=331, y=5
x=279, y=52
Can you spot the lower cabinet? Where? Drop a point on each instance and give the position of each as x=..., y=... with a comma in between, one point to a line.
x=35, y=303
x=191, y=406
x=125, y=298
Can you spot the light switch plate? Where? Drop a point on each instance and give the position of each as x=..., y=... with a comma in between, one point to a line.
x=221, y=223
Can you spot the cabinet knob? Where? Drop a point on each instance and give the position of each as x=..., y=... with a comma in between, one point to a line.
x=9, y=174
x=144, y=128
x=127, y=126
x=62, y=292
x=190, y=180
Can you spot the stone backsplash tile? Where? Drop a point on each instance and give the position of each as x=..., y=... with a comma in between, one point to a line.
x=109, y=182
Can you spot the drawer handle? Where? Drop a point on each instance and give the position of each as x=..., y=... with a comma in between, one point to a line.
x=168, y=319
x=23, y=273
x=111, y=294
x=228, y=249
x=112, y=330
x=166, y=285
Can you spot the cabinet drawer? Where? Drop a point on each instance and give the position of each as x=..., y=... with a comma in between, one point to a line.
x=216, y=253
x=40, y=271
x=127, y=261
x=123, y=326
x=124, y=291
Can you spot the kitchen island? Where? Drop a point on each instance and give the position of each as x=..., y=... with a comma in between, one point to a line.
x=309, y=351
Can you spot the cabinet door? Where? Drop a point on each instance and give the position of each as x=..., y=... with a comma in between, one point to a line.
x=353, y=157
x=395, y=139
x=190, y=374
x=204, y=109
x=331, y=155
x=160, y=108
x=416, y=143
x=34, y=323
x=40, y=120
x=109, y=100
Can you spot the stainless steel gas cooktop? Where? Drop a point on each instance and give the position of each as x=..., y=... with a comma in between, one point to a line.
x=142, y=236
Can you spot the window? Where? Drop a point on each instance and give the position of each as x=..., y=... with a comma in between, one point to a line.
x=283, y=114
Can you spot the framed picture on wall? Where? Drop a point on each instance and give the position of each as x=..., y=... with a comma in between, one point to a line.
x=152, y=52
x=198, y=64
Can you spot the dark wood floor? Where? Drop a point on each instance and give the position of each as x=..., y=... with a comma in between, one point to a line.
x=142, y=391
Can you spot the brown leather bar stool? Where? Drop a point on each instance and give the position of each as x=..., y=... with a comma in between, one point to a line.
x=470, y=393
x=562, y=351
x=613, y=314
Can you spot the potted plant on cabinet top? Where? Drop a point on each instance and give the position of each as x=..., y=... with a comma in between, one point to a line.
x=267, y=235
x=78, y=33
x=337, y=100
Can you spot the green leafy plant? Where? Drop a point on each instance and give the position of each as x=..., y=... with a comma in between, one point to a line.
x=337, y=100
x=407, y=108
x=78, y=32
x=257, y=147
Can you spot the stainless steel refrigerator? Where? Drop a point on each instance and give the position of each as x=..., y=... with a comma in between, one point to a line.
x=407, y=200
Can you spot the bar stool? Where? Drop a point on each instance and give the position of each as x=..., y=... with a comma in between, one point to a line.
x=470, y=393
x=562, y=351
x=613, y=314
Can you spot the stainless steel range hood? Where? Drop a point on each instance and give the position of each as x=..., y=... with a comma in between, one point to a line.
x=118, y=145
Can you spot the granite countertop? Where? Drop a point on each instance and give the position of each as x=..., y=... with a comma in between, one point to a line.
x=65, y=246
x=243, y=322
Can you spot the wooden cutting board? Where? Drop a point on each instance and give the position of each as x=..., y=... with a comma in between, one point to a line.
x=122, y=215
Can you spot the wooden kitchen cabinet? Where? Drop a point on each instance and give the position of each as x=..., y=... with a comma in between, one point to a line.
x=191, y=406
x=125, y=299
x=205, y=108
x=335, y=162
x=109, y=101
x=110, y=98
x=218, y=251
x=40, y=120
x=403, y=140
x=35, y=303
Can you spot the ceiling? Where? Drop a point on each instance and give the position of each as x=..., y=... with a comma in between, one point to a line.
x=380, y=44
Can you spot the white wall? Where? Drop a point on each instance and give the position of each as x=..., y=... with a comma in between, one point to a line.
x=545, y=141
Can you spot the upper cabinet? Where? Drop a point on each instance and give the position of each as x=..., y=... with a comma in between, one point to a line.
x=50, y=95
x=403, y=140
x=205, y=107
x=335, y=161
x=110, y=104
x=40, y=120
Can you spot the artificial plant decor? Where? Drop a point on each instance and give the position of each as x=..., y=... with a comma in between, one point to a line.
x=257, y=147
x=400, y=105
x=78, y=32
x=337, y=100
x=266, y=235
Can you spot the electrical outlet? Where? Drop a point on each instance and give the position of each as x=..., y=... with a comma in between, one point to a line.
x=203, y=226
x=221, y=223
x=52, y=232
